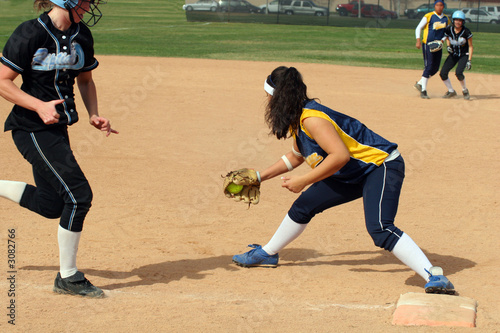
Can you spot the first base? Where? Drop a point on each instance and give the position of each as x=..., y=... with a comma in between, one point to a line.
x=415, y=309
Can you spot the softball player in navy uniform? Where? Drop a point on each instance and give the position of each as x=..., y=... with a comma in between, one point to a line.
x=348, y=161
x=50, y=53
x=433, y=25
x=459, y=41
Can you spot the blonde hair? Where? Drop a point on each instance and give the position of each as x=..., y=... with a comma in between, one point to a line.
x=40, y=5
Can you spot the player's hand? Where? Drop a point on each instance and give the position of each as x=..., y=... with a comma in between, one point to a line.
x=47, y=112
x=102, y=124
x=450, y=49
x=293, y=184
x=468, y=65
x=418, y=44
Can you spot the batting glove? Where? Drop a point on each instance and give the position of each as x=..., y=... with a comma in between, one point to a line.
x=468, y=65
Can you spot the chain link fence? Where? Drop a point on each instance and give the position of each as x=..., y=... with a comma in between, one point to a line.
x=395, y=14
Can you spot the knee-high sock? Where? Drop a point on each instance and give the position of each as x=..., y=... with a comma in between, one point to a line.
x=448, y=85
x=423, y=83
x=68, y=247
x=286, y=233
x=12, y=190
x=412, y=256
x=462, y=83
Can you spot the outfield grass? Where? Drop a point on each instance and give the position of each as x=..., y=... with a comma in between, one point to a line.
x=160, y=28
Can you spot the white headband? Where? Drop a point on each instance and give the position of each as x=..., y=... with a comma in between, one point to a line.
x=268, y=88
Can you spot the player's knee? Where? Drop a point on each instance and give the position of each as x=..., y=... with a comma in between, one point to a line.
x=460, y=76
x=385, y=238
x=444, y=76
x=300, y=215
x=53, y=211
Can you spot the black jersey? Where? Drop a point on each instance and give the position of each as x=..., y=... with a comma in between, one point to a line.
x=459, y=41
x=48, y=60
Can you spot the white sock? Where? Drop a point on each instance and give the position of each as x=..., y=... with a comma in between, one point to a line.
x=68, y=247
x=286, y=233
x=462, y=83
x=12, y=190
x=412, y=256
x=448, y=85
x=423, y=83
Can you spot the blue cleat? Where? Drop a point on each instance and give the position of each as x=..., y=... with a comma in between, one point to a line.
x=256, y=258
x=438, y=283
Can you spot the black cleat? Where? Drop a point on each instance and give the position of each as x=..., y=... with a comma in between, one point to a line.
x=466, y=94
x=423, y=94
x=76, y=284
x=450, y=94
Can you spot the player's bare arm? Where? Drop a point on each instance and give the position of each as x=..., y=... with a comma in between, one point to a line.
x=11, y=92
x=280, y=167
x=329, y=140
x=88, y=92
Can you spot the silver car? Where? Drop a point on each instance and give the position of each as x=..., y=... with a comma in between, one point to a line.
x=207, y=5
x=479, y=15
x=292, y=7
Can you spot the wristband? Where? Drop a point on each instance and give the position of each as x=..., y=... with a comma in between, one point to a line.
x=258, y=176
x=287, y=162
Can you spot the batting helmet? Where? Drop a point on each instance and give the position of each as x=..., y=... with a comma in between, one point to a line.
x=93, y=11
x=68, y=4
x=458, y=15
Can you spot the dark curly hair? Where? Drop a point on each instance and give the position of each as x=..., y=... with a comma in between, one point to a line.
x=285, y=107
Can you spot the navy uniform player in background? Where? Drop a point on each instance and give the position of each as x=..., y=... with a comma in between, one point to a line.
x=50, y=53
x=459, y=46
x=348, y=161
x=433, y=25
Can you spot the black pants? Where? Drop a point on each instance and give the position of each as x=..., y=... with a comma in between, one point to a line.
x=450, y=62
x=61, y=191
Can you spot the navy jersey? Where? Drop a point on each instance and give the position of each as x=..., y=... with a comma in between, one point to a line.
x=459, y=41
x=48, y=60
x=434, y=29
x=367, y=149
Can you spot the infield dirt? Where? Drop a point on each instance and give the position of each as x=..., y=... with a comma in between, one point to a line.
x=160, y=235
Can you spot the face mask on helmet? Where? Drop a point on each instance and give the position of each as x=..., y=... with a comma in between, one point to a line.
x=88, y=6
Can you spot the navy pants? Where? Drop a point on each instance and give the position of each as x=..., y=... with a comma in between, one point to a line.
x=380, y=191
x=432, y=61
x=61, y=190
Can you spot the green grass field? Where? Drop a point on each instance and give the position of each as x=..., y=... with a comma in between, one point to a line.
x=160, y=28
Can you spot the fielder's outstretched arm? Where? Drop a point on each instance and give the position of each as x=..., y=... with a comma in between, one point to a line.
x=286, y=163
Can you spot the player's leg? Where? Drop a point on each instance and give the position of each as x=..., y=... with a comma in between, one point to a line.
x=381, y=199
x=421, y=85
x=448, y=65
x=62, y=191
x=459, y=72
x=317, y=198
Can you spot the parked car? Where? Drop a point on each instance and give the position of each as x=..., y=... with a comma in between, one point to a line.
x=292, y=7
x=238, y=6
x=495, y=10
x=421, y=10
x=348, y=8
x=272, y=7
x=208, y=5
x=375, y=11
x=479, y=15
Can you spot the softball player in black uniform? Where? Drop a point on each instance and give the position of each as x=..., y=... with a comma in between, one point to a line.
x=459, y=41
x=348, y=161
x=50, y=53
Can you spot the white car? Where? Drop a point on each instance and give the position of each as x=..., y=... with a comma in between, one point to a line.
x=272, y=7
x=207, y=5
x=479, y=15
x=495, y=10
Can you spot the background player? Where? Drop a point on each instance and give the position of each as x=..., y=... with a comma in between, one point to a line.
x=433, y=24
x=348, y=162
x=459, y=41
x=57, y=50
